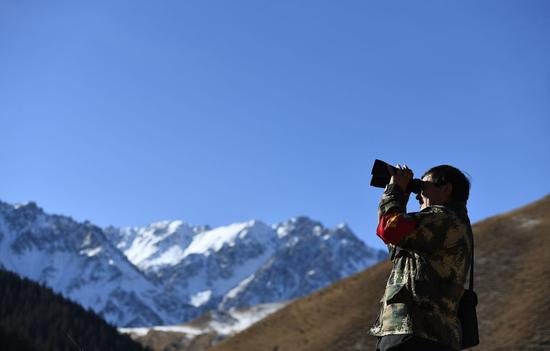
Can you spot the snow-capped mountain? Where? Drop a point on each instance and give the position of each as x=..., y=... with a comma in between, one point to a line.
x=308, y=257
x=245, y=264
x=152, y=247
x=171, y=272
x=76, y=260
x=212, y=264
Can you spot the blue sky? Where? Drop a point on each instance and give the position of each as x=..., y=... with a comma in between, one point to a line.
x=214, y=112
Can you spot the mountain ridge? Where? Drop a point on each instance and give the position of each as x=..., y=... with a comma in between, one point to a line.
x=174, y=272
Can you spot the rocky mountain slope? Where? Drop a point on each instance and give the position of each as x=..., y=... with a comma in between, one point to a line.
x=512, y=281
x=170, y=272
x=77, y=260
x=244, y=264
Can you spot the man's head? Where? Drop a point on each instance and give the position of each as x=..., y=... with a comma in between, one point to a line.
x=443, y=184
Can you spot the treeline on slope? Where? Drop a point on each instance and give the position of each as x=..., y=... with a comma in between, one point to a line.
x=33, y=317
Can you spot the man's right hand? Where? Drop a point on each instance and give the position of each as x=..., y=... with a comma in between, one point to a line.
x=401, y=177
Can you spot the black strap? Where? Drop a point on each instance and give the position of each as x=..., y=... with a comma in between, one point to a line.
x=472, y=262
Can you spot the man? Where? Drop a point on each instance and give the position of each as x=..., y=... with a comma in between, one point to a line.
x=430, y=251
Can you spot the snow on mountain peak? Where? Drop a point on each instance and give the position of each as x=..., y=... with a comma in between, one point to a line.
x=164, y=228
x=28, y=204
x=157, y=244
x=213, y=240
x=342, y=226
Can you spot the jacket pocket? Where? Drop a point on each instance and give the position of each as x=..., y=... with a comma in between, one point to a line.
x=397, y=293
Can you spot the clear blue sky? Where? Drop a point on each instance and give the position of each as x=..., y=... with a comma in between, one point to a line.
x=214, y=112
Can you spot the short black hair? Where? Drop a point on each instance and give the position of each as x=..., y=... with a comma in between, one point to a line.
x=443, y=174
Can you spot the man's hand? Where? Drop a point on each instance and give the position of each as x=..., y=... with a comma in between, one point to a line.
x=401, y=177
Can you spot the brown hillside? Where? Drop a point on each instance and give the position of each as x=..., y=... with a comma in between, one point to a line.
x=512, y=281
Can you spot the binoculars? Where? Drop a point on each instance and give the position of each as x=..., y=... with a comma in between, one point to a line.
x=381, y=177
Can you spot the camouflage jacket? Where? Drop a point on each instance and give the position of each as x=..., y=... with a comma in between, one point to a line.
x=430, y=251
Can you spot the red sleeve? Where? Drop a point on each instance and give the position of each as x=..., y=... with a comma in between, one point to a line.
x=394, y=226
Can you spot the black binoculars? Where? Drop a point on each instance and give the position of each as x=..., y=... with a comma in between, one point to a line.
x=381, y=177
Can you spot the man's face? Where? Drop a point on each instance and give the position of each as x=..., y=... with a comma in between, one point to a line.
x=432, y=194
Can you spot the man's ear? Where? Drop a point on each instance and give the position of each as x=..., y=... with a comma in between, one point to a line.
x=447, y=191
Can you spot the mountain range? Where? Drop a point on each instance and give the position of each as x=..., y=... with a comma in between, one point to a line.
x=171, y=272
